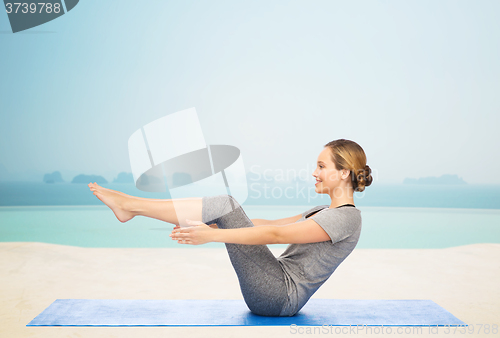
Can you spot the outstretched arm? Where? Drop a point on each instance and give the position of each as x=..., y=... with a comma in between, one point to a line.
x=307, y=231
x=281, y=221
x=262, y=234
x=201, y=233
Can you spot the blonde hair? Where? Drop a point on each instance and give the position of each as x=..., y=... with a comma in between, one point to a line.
x=349, y=155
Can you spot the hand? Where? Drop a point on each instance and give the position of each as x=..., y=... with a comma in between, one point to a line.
x=197, y=233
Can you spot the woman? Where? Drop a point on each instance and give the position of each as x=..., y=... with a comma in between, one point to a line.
x=320, y=238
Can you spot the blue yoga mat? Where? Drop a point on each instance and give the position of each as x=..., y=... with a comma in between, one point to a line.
x=218, y=312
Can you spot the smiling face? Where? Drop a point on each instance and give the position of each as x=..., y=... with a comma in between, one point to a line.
x=328, y=178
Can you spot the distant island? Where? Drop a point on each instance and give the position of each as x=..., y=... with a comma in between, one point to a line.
x=124, y=177
x=89, y=178
x=55, y=177
x=443, y=179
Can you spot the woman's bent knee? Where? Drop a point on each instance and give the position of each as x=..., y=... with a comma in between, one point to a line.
x=230, y=205
x=234, y=203
x=215, y=207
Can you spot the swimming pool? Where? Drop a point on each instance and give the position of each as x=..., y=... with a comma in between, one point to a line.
x=383, y=227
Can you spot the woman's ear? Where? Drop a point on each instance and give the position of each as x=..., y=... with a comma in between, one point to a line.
x=345, y=173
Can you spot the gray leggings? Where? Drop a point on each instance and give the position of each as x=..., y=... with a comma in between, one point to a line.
x=260, y=275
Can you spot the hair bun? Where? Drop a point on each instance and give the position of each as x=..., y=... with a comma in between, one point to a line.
x=363, y=178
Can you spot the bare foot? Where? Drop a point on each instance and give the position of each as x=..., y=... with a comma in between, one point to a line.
x=94, y=186
x=119, y=192
x=115, y=200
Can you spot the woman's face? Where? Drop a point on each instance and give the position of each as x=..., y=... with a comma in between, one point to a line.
x=327, y=176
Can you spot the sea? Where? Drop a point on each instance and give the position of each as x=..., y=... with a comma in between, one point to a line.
x=393, y=216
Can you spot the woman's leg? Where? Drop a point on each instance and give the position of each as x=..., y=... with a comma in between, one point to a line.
x=125, y=207
x=260, y=275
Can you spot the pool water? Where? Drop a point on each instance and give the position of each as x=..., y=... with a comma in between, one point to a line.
x=382, y=227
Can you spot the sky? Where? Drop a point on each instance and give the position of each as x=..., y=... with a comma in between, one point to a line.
x=412, y=82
